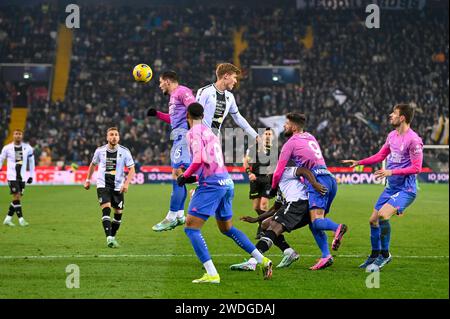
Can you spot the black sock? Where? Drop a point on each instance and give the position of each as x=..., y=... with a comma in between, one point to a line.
x=18, y=208
x=266, y=241
x=11, y=210
x=281, y=243
x=116, y=224
x=375, y=254
x=106, y=220
x=385, y=253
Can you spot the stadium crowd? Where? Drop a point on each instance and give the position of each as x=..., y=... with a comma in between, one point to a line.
x=404, y=61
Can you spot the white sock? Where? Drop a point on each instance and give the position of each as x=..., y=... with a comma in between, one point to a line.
x=109, y=238
x=288, y=251
x=180, y=213
x=210, y=268
x=20, y=219
x=171, y=216
x=8, y=218
x=257, y=255
x=252, y=261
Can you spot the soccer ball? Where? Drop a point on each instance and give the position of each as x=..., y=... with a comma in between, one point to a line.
x=142, y=73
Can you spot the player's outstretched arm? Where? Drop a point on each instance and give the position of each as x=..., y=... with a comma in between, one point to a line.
x=160, y=115
x=263, y=216
x=377, y=158
x=306, y=173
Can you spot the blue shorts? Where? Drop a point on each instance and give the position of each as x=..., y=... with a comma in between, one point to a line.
x=212, y=200
x=319, y=201
x=399, y=199
x=179, y=154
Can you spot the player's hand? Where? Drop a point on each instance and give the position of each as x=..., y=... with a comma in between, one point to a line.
x=252, y=177
x=151, y=112
x=87, y=185
x=181, y=180
x=272, y=193
x=383, y=173
x=30, y=180
x=191, y=179
x=124, y=188
x=249, y=219
x=320, y=188
x=352, y=163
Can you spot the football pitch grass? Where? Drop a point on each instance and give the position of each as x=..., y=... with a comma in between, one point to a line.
x=65, y=228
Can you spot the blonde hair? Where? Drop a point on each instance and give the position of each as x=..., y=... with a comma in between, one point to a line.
x=226, y=68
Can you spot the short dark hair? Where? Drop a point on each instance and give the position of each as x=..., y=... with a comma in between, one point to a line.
x=407, y=110
x=18, y=130
x=297, y=118
x=169, y=75
x=195, y=110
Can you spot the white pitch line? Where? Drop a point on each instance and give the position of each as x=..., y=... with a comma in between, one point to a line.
x=192, y=255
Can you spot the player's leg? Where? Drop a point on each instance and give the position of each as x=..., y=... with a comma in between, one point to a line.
x=256, y=208
x=118, y=204
x=105, y=197
x=223, y=216
x=17, y=196
x=12, y=205
x=396, y=204
x=193, y=232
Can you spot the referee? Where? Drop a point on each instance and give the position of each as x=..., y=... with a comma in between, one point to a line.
x=260, y=168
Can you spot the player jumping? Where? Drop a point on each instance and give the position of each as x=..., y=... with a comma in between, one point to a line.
x=213, y=196
x=403, y=150
x=304, y=150
x=218, y=101
x=180, y=98
x=18, y=155
x=112, y=159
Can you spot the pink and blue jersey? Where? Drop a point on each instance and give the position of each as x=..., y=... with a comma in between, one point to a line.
x=179, y=101
x=404, y=153
x=206, y=157
x=304, y=150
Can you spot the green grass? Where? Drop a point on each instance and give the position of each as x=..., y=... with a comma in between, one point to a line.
x=65, y=223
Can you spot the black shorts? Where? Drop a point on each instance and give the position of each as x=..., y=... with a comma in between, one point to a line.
x=293, y=215
x=260, y=187
x=16, y=187
x=107, y=195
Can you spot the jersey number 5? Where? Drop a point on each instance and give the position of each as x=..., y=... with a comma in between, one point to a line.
x=315, y=148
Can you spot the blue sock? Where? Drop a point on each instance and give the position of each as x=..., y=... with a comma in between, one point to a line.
x=183, y=198
x=177, y=197
x=199, y=244
x=375, y=238
x=240, y=239
x=321, y=240
x=385, y=234
x=325, y=224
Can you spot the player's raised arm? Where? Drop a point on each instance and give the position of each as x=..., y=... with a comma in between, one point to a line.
x=240, y=120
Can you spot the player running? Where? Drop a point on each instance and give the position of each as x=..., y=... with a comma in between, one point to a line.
x=112, y=159
x=218, y=101
x=403, y=150
x=18, y=154
x=180, y=98
x=259, y=167
x=289, y=212
x=213, y=196
x=304, y=150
